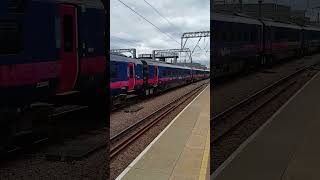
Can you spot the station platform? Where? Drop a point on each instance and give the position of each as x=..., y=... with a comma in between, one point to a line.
x=181, y=151
x=286, y=147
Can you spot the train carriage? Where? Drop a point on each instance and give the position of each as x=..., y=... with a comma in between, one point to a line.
x=147, y=77
x=266, y=42
x=200, y=74
x=172, y=76
x=238, y=43
x=311, y=39
x=48, y=48
x=126, y=76
x=281, y=40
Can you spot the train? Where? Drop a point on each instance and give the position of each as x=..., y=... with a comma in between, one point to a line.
x=53, y=56
x=48, y=49
x=144, y=77
x=242, y=42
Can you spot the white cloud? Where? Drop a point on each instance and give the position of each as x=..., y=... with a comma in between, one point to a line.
x=128, y=30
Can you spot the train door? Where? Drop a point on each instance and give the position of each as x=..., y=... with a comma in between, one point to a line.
x=192, y=75
x=145, y=73
x=156, y=76
x=131, y=77
x=68, y=50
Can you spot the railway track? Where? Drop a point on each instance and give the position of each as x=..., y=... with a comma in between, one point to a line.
x=227, y=121
x=122, y=140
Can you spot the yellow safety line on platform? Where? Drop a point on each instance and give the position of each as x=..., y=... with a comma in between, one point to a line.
x=205, y=159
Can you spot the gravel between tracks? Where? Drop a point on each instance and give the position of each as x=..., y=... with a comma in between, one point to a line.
x=234, y=91
x=120, y=162
x=224, y=148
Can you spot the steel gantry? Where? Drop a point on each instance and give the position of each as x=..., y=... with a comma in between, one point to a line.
x=169, y=53
x=187, y=35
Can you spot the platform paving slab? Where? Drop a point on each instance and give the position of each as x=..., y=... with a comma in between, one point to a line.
x=178, y=153
x=287, y=147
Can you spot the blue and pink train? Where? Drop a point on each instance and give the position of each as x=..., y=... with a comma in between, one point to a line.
x=49, y=48
x=242, y=42
x=146, y=77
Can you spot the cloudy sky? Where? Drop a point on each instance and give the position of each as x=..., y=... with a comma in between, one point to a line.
x=128, y=30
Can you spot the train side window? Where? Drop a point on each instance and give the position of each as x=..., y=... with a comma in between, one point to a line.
x=231, y=36
x=228, y=36
x=253, y=36
x=217, y=36
x=239, y=36
x=155, y=71
x=246, y=36
x=68, y=33
x=114, y=70
x=234, y=36
x=11, y=39
x=224, y=36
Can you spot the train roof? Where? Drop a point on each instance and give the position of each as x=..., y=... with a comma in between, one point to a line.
x=152, y=62
x=87, y=3
x=119, y=58
x=201, y=69
x=311, y=28
x=281, y=24
x=235, y=18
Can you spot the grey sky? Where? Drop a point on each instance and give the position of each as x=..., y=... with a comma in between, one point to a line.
x=128, y=30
